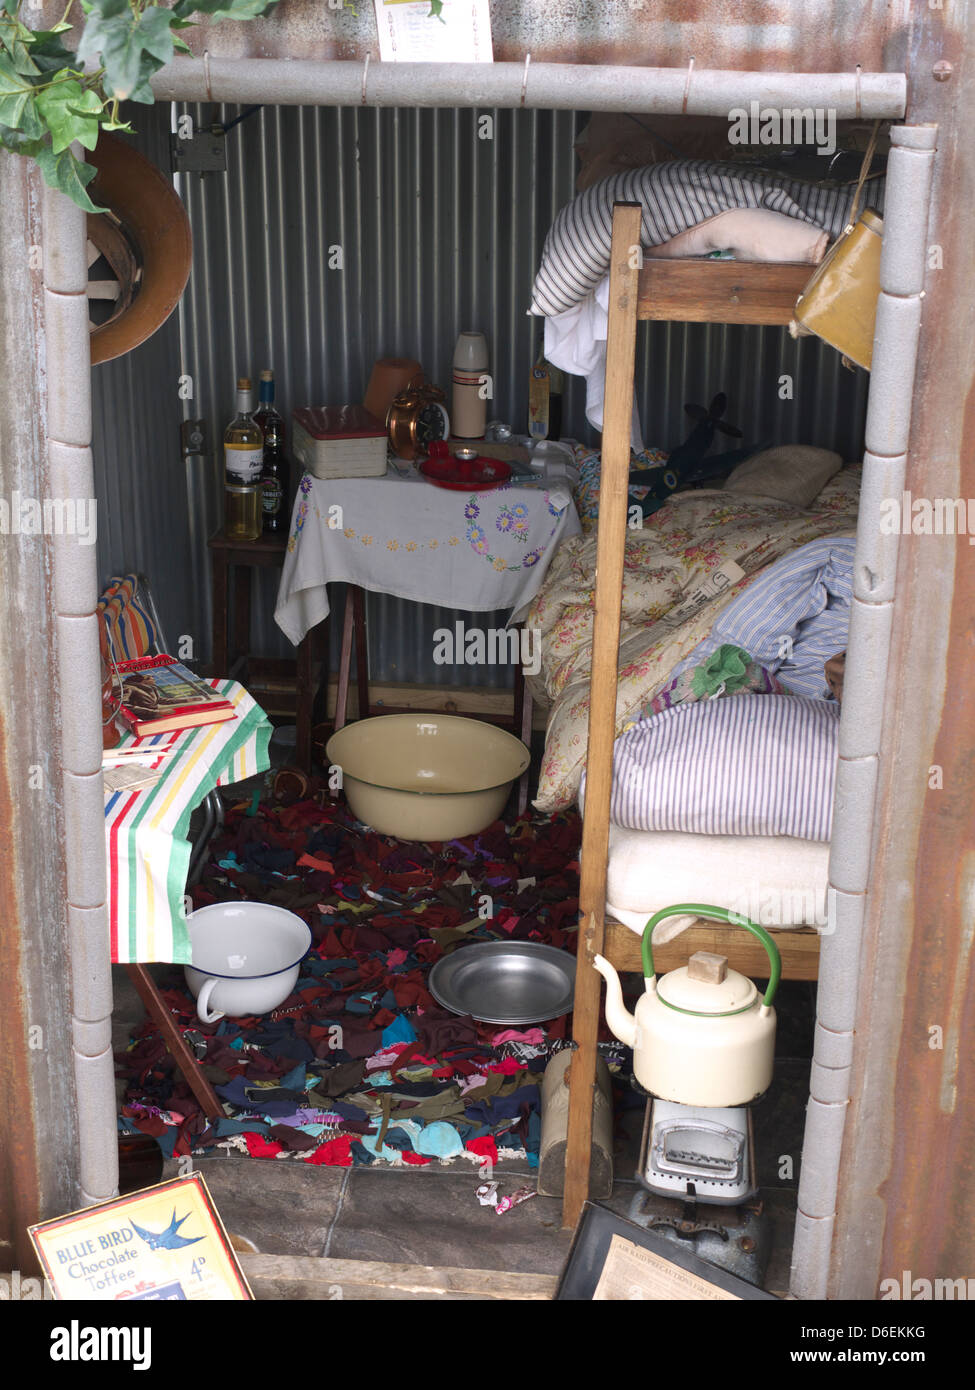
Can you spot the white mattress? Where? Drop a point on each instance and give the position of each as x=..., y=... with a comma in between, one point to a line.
x=774, y=880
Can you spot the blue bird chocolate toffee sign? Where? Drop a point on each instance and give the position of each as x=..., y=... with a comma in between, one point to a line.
x=163, y=1243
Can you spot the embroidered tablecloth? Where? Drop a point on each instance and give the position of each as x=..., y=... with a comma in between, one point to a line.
x=146, y=828
x=399, y=534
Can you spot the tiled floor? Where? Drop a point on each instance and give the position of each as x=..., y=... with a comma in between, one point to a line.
x=431, y=1216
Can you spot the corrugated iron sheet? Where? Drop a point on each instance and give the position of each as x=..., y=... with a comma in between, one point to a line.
x=439, y=230
x=788, y=35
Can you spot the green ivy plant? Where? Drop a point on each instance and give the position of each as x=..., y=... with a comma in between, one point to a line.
x=49, y=98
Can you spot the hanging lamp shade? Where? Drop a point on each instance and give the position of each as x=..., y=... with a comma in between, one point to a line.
x=139, y=251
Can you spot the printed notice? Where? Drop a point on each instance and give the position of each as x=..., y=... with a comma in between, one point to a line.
x=717, y=582
x=165, y=1243
x=633, y=1274
x=434, y=31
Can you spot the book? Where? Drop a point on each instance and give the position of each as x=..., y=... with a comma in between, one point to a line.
x=159, y=695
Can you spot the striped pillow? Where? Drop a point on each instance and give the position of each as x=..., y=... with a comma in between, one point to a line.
x=131, y=631
x=676, y=195
x=749, y=764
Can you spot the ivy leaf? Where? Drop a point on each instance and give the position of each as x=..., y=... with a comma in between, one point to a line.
x=23, y=61
x=436, y=11
x=223, y=9
x=18, y=142
x=49, y=53
x=66, y=173
x=11, y=83
x=132, y=47
x=19, y=110
x=70, y=114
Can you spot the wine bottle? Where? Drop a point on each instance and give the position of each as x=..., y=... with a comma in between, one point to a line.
x=274, y=470
x=243, y=452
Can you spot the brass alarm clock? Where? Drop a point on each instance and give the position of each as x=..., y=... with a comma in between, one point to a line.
x=415, y=419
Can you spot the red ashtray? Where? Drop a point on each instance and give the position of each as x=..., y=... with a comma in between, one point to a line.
x=478, y=474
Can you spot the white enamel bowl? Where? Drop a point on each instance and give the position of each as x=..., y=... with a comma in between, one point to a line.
x=246, y=958
x=427, y=777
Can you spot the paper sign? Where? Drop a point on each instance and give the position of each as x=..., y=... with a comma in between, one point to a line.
x=165, y=1243
x=418, y=31
x=631, y=1273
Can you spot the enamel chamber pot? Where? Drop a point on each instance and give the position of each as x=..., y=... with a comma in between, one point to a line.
x=246, y=958
x=702, y=1034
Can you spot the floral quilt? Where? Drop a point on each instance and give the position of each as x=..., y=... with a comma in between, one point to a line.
x=689, y=560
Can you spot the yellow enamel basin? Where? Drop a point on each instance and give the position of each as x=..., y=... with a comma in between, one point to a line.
x=426, y=776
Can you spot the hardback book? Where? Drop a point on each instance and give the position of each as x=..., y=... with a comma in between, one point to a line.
x=159, y=694
x=339, y=441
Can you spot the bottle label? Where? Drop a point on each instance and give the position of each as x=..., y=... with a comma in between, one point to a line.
x=271, y=496
x=243, y=462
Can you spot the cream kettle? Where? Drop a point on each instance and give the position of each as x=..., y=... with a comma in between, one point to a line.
x=702, y=1034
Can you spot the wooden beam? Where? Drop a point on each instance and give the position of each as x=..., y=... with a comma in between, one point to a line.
x=610, y=545
x=701, y=291
x=798, y=948
x=290, y=1277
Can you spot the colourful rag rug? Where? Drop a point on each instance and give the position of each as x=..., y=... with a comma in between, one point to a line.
x=361, y=1065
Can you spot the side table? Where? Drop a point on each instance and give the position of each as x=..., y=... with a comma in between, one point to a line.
x=231, y=562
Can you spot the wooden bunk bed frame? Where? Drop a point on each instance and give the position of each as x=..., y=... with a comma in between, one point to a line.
x=699, y=291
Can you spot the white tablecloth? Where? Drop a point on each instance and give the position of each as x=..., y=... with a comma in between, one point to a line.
x=400, y=534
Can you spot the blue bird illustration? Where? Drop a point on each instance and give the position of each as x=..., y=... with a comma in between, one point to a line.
x=168, y=1239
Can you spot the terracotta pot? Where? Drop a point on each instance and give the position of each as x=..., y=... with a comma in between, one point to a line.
x=390, y=376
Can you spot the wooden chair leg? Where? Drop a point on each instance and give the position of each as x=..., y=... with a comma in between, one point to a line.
x=219, y=573
x=303, y=703
x=345, y=664
x=242, y=622
x=361, y=652
x=523, y=723
x=156, y=1008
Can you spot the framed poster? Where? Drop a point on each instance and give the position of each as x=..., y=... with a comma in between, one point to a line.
x=615, y=1260
x=434, y=31
x=162, y=1244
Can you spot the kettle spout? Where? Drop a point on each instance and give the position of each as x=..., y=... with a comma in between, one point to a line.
x=620, y=1020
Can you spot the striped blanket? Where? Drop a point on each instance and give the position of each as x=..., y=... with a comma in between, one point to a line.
x=676, y=195
x=146, y=828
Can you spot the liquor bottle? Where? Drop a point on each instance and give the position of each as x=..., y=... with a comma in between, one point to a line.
x=274, y=471
x=545, y=400
x=243, y=452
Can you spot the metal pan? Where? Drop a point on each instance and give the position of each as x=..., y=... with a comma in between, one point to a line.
x=505, y=981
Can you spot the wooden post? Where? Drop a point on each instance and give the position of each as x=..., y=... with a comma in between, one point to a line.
x=618, y=410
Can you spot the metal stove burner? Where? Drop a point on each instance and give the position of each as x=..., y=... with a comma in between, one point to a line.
x=688, y=1151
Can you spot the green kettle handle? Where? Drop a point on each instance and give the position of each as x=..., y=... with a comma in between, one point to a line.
x=716, y=914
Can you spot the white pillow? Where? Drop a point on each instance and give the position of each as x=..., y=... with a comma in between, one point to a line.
x=743, y=765
x=794, y=473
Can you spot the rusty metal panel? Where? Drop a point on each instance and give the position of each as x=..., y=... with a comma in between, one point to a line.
x=788, y=35
x=907, y=1180
x=38, y=1157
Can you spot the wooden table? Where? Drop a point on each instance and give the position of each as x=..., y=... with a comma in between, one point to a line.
x=232, y=561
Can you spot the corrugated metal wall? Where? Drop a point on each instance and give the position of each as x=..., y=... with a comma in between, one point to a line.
x=439, y=230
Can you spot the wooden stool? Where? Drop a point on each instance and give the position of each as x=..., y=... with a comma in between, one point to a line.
x=231, y=651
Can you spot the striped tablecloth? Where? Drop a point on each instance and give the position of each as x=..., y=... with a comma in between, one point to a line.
x=146, y=829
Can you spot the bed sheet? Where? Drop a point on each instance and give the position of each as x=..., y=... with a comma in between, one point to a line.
x=690, y=559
